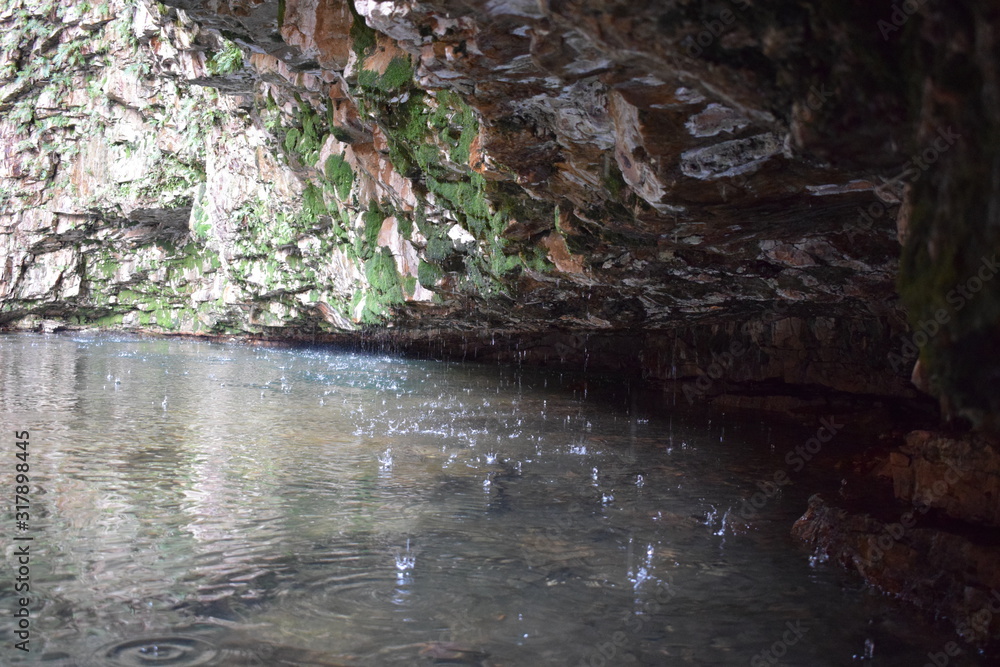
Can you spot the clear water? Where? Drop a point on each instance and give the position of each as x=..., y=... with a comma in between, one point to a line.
x=201, y=503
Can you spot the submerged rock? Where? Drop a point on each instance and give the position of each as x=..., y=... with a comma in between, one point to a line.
x=452, y=652
x=946, y=571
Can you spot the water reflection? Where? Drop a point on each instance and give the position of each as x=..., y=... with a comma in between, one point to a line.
x=199, y=503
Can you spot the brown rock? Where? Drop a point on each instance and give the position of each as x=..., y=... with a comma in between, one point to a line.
x=960, y=475
x=320, y=28
x=950, y=574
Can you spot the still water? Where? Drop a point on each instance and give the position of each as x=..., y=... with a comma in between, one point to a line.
x=198, y=503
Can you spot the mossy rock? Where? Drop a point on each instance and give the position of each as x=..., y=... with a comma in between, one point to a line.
x=428, y=275
x=340, y=174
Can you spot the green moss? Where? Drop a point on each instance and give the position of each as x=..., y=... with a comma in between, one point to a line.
x=362, y=37
x=191, y=257
x=409, y=285
x=405, y=223
x=339, y=173
x=463, y=119
x=370, y=306
x=475, y=275
x=313, y=204
x=439, y=247
x=202, y=226
x=428, y=274
x=467, y=199
x=372, y=312
x=107, y=268
x=398, y=73
x=172, y=181
x=226, y=61
x=536, y=259
x=345, y=224
x=380, y=271
x=128, y=296
x=305, y=138
x=614, y=181
x=340, y=134
x=356, y=300
x=501, y=264
x=103, y=322
x=430, y=138
x=373, y=219
x=292, y=137
x=165, y=317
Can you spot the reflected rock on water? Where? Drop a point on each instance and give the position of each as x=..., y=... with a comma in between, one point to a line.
x=452, y=652
x=458, y=506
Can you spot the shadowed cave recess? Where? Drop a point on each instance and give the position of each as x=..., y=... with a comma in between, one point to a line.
x=777, y=206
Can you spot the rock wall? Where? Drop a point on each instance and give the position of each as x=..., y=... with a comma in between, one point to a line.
x=958, y=475
x=591, y=172
x=949, y=572
x=143, y=190
x=952, y=217
x=767, y=203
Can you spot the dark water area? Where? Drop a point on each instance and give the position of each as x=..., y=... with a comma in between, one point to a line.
x=200, y=503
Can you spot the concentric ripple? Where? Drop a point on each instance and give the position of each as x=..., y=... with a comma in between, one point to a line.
x=176, y=651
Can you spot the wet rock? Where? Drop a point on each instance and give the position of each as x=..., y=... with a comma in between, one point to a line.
x=598, y=185
x=591, y=151
x=949, y=263
x=949, y=571
x=958, y=474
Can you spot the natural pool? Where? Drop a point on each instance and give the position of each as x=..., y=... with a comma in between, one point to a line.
x=197, y=503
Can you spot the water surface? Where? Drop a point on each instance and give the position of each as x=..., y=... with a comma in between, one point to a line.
x=221, y=504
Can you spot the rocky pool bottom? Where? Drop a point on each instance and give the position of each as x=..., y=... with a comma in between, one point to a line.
x=200, y=503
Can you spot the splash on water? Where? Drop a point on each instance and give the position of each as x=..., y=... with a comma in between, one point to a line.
x=385, y=460
x=405, y=562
